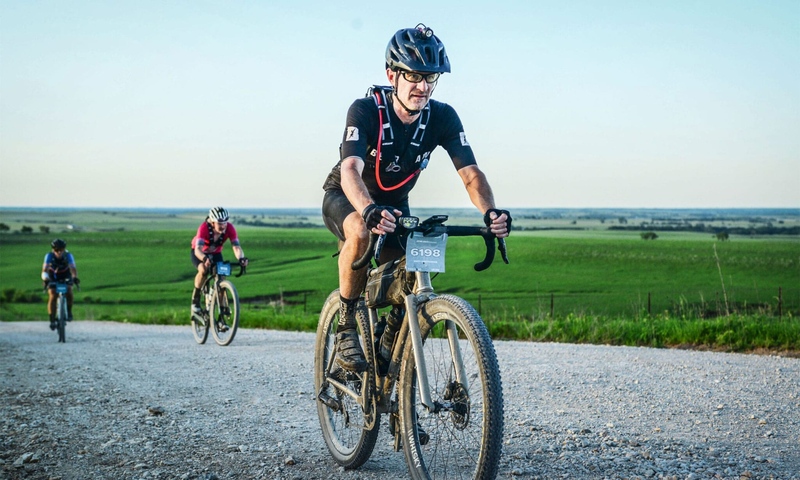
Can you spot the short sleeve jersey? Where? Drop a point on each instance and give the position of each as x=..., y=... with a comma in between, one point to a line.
x=58, y=267
x=401, y=159
x=209, y=246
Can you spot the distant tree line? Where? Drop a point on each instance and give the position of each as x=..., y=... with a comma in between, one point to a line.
x=261, y=223
x=25, y=228
x=703, y=228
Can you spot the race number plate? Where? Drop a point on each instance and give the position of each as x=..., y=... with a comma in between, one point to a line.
x=61, y=287
x=425, y=254
x=223, y=268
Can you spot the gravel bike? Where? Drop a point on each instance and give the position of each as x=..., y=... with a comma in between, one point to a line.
x=219, y=305
x=446, y=411
x=62, y=312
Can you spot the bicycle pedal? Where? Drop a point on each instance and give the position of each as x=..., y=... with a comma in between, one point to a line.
x=330, y=402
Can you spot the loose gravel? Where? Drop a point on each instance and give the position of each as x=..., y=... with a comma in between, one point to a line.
x=123, y=401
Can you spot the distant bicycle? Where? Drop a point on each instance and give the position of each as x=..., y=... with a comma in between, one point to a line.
x=62, y=313
x=447, y=408
x=220, y=303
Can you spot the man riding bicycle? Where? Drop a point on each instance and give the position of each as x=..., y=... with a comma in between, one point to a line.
x=387, y=143
x=59, y=265
x=207, y=248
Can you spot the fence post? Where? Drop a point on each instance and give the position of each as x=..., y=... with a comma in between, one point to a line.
x=552, y=302
x=780, y=302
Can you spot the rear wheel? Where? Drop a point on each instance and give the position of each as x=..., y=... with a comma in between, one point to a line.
x=340, y=416
x=225, y=313
x=200, y=322
x=463, y=434
x=61, y=319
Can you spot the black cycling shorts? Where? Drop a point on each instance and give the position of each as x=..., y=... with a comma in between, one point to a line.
x=216, y=257
x=336, y=207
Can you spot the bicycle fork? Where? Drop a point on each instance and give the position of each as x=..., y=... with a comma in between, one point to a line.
x=422, y=293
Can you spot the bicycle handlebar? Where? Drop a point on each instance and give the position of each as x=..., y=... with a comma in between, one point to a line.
x=376, y=242
x=52, y=283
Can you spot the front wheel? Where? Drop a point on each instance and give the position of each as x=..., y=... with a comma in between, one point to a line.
x=340, y=416
x=225, y=313
x=461, y=437
x=61, y=320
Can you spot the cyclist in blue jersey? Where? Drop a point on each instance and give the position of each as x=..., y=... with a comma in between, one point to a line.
x=59, y=264
x=387, y=142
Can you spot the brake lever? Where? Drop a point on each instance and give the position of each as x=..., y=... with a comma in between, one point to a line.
x=501, y=245
x=379, y=247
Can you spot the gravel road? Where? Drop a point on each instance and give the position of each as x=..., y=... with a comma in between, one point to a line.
x=122, y=401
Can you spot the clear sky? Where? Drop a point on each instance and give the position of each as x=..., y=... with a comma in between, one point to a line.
x=158, y=103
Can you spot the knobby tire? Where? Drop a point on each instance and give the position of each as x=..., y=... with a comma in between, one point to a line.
x=465, y=440
x=348, y=442
x=200, y=328
x=225, y=309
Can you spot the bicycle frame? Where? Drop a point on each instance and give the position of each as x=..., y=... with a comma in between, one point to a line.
x=216, y=277
x=410, y=328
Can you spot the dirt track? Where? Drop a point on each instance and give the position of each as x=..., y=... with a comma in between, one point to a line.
x=90, y=409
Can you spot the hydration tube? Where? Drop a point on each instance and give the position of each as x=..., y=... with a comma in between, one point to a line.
x=378, y=159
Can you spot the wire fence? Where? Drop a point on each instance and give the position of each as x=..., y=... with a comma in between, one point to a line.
x=778, y=302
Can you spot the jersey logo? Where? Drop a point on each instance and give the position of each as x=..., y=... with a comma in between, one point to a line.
x=352, y=134
x=463, y=137
x=394, y=167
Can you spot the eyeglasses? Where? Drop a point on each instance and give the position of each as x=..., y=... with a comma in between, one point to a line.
x=416, y=77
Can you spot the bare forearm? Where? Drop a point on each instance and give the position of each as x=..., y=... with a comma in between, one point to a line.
x=478, y=189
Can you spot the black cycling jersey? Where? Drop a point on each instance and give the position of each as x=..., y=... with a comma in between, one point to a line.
x=400, y=158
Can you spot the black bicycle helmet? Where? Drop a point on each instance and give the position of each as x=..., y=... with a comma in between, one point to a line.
x=418, y=50
x=218, y=214
x=58, y=244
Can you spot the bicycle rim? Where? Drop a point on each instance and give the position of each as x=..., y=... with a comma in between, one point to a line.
x=342, y=426
x=465, y=435
x=200, y=325
x=225, y=313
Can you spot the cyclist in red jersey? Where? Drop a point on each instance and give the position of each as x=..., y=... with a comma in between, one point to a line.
x=207, y=248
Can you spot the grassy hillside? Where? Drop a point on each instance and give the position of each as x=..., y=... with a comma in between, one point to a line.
x=574, y=286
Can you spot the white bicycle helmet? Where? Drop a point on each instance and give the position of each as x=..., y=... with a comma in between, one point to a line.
x=218, y=214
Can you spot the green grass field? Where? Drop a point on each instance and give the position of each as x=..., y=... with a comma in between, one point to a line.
x=569, y=287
